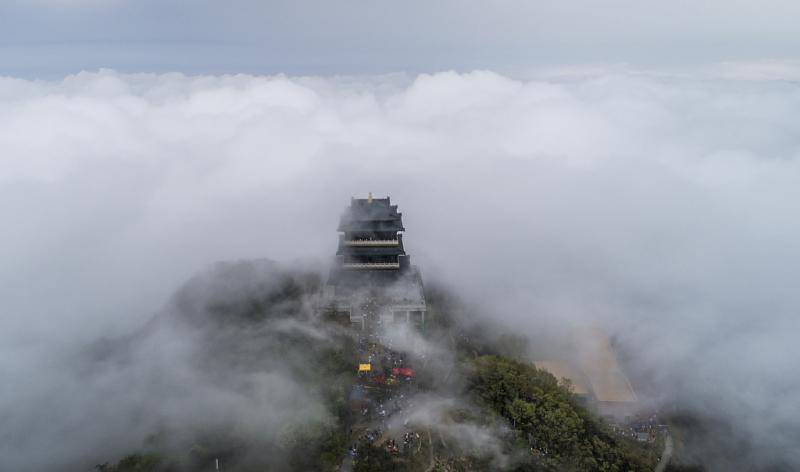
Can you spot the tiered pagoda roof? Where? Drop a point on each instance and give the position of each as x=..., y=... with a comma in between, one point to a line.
x=371, y=215
x=370, y=242
x=372, y=266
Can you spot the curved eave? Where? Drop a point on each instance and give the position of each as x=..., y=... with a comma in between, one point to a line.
x=369, y=226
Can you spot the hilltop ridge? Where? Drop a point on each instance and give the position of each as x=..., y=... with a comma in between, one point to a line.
x=465, y=402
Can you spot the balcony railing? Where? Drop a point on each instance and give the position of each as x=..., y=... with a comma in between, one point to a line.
x=371, y=242
x=371, y=265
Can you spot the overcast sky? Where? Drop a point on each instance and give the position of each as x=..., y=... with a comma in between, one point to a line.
x=48, y=38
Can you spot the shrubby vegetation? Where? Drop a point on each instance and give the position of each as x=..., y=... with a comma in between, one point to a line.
x=255, y=318
x=551, y=430
x=248, y=320
x=139, y=463
x=561, y=434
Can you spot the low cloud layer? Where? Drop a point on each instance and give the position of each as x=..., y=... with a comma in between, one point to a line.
x=659, y=204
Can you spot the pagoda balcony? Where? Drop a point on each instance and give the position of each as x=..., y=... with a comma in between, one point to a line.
x=370, y=265
x=371, y=242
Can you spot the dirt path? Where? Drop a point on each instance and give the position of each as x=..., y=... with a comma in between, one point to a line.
x=666, y=455
x=347, y=464
x=430, y=451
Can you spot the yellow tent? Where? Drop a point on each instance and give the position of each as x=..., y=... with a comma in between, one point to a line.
x=364, y=367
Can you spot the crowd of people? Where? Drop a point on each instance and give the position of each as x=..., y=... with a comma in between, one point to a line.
x=383, y=391
x=644, y=428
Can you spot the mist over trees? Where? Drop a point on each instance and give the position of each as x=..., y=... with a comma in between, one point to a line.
x=287, y=372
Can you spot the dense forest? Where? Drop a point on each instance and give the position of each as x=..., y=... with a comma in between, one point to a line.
x=561, y=434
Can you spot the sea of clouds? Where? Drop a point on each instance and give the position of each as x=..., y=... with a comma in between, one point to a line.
x=662, y=204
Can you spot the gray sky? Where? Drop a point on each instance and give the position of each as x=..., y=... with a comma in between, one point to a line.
x=48, y=38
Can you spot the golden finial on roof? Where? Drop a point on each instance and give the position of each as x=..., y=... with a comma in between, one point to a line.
x=369, y=198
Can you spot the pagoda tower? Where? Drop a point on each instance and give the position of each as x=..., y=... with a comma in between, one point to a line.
x=371, y=238
x=372, y=281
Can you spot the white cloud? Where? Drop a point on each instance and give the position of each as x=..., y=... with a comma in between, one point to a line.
x=661, y=202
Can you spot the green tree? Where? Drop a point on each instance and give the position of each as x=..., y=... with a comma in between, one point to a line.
x=560, y=431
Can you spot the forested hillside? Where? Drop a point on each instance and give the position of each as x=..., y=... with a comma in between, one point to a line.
x=255, y=335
